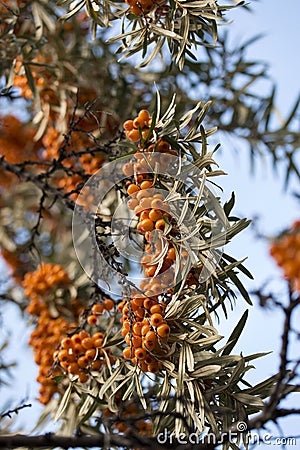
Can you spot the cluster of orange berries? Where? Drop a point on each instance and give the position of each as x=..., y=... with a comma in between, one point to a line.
x=140, y=7
x=52, y=137
x=138, y=127
x=129, y=411
x=98, y=309
x=39, y=286
x=145, y=329
x=52, y=141
x=40, y=77
x=81, y=353
x=44, y=339
x=286, y=252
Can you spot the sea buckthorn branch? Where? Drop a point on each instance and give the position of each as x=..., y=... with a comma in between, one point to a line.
x=181, y=26
x=42, y=287
x=20, y=171
x=157, y=341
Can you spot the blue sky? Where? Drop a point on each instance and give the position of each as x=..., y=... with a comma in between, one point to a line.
x=260, y=195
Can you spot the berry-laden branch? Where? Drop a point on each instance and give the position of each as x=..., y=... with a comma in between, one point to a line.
x=158, y=363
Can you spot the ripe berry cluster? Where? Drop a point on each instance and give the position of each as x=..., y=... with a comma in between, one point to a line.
x=286, y=252
x=40, y=283
x=145, y=329
x=140, y=7
x=81, y=353
x=129, y=411
x=138, y=127
x=44, y=339
x=39, y=286
x=98, y=309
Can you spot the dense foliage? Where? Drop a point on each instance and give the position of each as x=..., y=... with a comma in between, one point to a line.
x=111, y=218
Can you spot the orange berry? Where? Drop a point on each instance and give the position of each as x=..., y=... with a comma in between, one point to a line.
x=83, y=334
x=108, y=304
x=73, y=368
x=146, y=184
x=144, y=115
x=171, y=254
x=133, y=135
x=156, y=319
x=132, y=203
x=153, y=367
x=76, y=339
x=163, y=146
x=151, y=338
x=145, y=329
x=140, y=353
x=145, y=134
x=98, y=343
x=124, y=332
x=128, y=125
x=144, y=214
x=78, y=349
x=137, y=328
x=155, y=309
x=127, y=353
x=137, y=301
x=63, y=355
x=87, y=343
x=98, y=335
x=148, y=303
x=140, y=313
x=149, y=359
x=98, y=308
x=160, y=225
x=150, y=271
x=83, y=362
x=132, y=189
x=96, y=365
x=66, y=343
x=138, y=122
x=126, y=325
x=90, y=354
x=92, y=319
x=155, y=214
x=146, y=225
x=83, y=377
x=147, y=5
x=163, y=330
